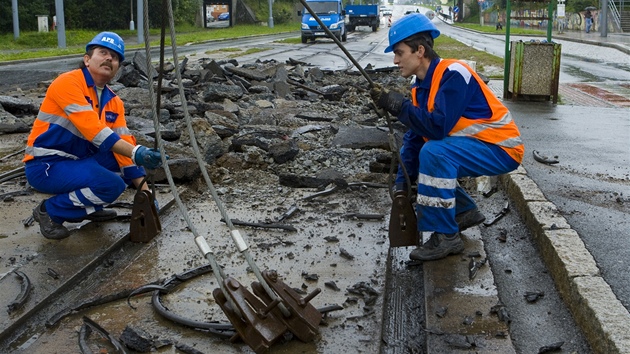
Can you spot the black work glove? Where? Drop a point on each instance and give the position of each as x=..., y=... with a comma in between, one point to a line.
x=389, y=100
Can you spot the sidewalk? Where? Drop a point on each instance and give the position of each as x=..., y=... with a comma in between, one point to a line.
x=620, y=41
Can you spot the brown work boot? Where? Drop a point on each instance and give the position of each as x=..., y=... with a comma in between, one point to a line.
x=47, y=227
x=439, y=246
x=469, y=218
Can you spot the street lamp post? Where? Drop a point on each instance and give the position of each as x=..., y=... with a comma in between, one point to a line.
x=132, y=26
x=270, y=24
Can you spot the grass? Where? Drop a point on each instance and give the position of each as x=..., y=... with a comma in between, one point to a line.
x=448, y=47
x=44, y=44
x=237, y=52
x=492, y=29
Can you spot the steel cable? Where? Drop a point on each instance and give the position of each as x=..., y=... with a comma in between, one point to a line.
x=199, y=240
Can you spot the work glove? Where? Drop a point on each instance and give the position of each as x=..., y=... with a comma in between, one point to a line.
x=389, y=100
x=149, y=158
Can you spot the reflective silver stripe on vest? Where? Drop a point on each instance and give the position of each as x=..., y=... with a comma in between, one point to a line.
x=512, y=142
x=436, y=202
x=74, y=108
x=122, y=131
x=101, y=136
x=60, y=121
x=39, y=152
x=436, y=182
x=477, y=128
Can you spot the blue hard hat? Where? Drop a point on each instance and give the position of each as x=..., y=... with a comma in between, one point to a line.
x=408, y=26
x=108, y=40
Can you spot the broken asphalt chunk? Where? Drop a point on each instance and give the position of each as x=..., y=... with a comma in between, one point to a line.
x=533, y=296
x=544, y=159
x=502, y=313
x=345, y=254
x=441, y=312
x=332, y=285
x=550, y=348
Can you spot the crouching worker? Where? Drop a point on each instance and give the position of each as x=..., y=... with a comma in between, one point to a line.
x=457, y=128
x=80, y=148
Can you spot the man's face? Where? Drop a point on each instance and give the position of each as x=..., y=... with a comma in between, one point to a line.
x=103, y=64
x=408, y=62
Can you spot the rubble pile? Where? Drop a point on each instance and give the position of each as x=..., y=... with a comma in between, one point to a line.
x=304, y=125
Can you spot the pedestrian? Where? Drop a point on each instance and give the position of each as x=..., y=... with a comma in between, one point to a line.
x=457, y=128
x=80, y=149
x=588, y=16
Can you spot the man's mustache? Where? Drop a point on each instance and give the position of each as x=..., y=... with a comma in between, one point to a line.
x=108, y=64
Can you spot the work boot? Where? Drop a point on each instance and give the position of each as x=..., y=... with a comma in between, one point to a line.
x=98, y=216
x=47, y=227
x=439, y=246
x=469, y=218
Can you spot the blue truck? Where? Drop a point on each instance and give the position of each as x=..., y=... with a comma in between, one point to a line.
x=331, y=13
x=363, y=15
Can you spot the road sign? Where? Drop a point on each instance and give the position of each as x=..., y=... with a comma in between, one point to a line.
x=456, y=9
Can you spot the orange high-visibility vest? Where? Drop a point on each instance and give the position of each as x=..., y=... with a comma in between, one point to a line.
x=70, y=122
x=499, y=129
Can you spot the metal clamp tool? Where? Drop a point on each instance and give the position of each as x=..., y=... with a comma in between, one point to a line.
x=403, y=229
x=145, y=223
x=256, y=325
x=304, y=319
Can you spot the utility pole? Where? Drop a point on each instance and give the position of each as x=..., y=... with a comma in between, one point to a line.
x=61, y=24
x=270, y=14
x=140, y=10
x=131, y=24
x=481, y=12
x=603, y=24
x=16, y=19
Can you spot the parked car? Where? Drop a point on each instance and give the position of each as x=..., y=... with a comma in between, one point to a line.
x=224, y=16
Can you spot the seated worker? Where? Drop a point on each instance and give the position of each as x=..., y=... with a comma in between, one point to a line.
x=457, y=128
x=80, y=148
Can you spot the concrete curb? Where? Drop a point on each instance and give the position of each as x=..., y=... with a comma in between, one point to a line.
x=601, y=316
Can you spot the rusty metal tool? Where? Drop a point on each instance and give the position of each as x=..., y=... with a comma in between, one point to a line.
x=304, y=319
x=256, y=325
x=145, y=222
x=403, y=230
x=499, y=215
x=25, y=290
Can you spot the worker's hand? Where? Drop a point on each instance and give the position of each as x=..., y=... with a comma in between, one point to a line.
x=149, y=158
x=389, y=100
x=376, y=91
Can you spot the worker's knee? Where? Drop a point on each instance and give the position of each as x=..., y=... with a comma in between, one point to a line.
x=109, y=190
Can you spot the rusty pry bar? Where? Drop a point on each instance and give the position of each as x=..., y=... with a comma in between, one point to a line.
x=257, y=326
x=304, y=319
x=403, y=229
x=145, y=223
